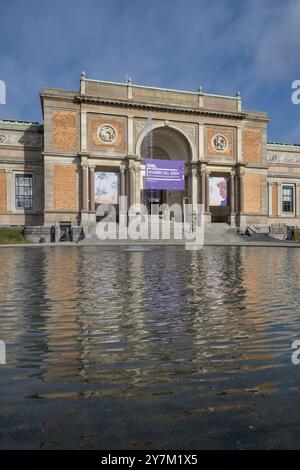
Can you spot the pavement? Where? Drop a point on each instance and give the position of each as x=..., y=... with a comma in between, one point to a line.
x=215, y=235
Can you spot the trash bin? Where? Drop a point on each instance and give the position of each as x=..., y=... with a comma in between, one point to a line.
x=290, y=233
x=52, y=234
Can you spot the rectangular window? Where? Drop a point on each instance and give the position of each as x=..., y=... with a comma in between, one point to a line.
x=287, y=199
x=24, y=191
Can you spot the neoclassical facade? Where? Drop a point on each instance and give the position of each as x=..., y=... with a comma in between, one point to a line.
x=47, y=171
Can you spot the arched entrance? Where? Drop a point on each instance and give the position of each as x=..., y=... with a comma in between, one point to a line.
x=166, y=143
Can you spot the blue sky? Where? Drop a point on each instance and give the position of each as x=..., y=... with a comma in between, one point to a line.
x=224, y=45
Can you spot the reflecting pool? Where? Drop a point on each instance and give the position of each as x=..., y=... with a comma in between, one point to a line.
x=149, y=348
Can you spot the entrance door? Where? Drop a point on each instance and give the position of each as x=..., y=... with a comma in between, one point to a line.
x=155, y=197
x=219, y=204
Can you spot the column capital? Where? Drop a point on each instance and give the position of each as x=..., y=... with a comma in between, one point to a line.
x=122, y=169
x=195, y=170
x=132, y=167
x=91, y=167
x=132, y=157
x=84, y=163
x=83, y=154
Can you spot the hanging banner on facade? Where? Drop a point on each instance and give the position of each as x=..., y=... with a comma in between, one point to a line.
x=218, y=191
x=106, y=188
x=164, y=174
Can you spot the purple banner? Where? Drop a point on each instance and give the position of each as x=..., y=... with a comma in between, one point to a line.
x=164, y=174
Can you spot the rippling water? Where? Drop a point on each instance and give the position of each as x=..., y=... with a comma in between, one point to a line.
x=149, y=348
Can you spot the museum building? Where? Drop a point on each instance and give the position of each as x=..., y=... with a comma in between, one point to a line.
x=92, y=146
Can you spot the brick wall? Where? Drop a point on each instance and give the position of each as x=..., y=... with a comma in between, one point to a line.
x=253, y=193
x=118, y=125
x=65, y=187
x=252, y=146
x=2, y=191
x=64, y=130
x=228, y=134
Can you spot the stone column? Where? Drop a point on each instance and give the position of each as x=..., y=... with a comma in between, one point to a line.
x=270, y=189
x=297, y=202
x=232, y=201
x=207, y=191
x=232, y=196
x=84, y=185
x=10, y=191
x=195, y=185
x=83, y=131
x=201, y=142
x=130, y=136
x=241, y=187
x=202, y=190
x=123, y=204
x=122, y=180
x=131, y=184
x=239, y=147
x=92, y=187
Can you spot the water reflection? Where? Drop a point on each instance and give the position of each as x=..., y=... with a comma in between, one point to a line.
x=153, y=348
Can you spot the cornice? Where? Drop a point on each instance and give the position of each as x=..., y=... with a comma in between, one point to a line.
x=157, y=107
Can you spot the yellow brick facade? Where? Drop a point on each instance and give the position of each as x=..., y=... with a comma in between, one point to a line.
x=252, y=146
x=64, y=133
x=252, y=193
x=228, y=134
x=65, y=187
x=119, y=127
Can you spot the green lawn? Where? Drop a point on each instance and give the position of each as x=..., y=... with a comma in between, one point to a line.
x=297, y=234
x=11, y=235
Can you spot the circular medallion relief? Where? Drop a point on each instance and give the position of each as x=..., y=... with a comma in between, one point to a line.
x=107, y=134
x=219, y=142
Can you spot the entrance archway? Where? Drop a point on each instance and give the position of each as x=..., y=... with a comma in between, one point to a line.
x=166, y=143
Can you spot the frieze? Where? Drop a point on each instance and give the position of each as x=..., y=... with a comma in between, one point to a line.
x=27, y=139
x=189, y=129
x=139, y=126
x=283, y=158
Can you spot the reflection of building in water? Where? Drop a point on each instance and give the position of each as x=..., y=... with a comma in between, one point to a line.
x=61, y=280
x=22, y=296
x=228, y=322
x=133, y=318
x=11, y=315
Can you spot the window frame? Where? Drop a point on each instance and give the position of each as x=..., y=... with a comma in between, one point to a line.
x=22, y=208
x=292, y=211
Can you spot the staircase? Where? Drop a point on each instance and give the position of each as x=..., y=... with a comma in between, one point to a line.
x=215, y=233
x=221, y=233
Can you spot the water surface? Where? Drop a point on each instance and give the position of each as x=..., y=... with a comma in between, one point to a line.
x=140, y=349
